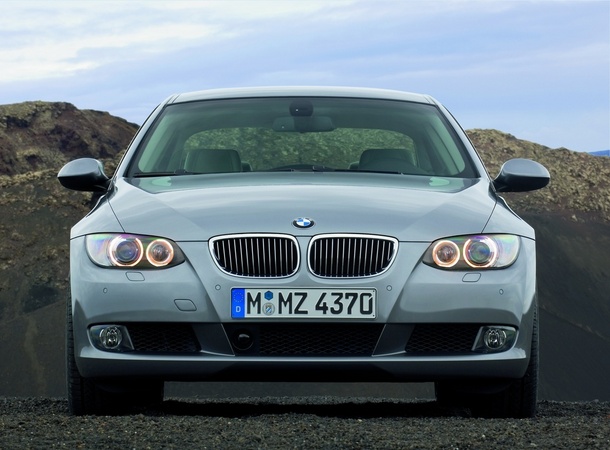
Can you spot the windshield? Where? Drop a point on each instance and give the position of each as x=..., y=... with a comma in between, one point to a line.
x=301, y=134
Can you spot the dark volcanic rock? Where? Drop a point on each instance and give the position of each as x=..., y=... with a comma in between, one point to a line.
x=41, y=135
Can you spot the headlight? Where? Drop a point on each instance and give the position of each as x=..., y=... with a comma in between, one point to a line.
x=130, y=250
x=491, y=251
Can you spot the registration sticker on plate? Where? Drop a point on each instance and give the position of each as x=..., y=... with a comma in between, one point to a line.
x=254, y=303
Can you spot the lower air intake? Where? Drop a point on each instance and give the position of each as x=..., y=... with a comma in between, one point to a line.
x=163, y=338
x=442, y=338
x=309, y=339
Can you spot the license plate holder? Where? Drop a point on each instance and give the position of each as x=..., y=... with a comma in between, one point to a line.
x=305, y=303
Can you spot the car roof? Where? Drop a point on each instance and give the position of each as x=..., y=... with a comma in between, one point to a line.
x=301, y=91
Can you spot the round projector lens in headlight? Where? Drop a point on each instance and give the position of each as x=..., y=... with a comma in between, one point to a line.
x=159, y=253
x=446, y=254
x=480, y=252
x=125, y=251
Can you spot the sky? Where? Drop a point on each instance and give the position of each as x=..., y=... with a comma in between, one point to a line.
x=539, y=70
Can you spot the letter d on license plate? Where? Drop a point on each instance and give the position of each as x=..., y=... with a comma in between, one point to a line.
x=252, y=303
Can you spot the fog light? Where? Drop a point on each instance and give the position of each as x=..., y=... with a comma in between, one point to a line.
x=493, y=339
x=111, y=337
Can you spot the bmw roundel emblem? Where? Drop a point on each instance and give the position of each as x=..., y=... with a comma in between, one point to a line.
x=303, y=222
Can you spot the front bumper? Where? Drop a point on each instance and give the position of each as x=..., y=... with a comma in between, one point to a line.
x=511, y=364
x=195, y=295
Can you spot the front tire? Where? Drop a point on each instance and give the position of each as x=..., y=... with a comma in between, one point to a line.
x=520, y=398
x=87, y=396
x=517, y=400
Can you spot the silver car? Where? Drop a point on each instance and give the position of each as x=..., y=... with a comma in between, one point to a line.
x=302, y=234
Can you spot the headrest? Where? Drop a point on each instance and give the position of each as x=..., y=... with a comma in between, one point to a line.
x=205, y=160
x=384, y=153
x=386, y=159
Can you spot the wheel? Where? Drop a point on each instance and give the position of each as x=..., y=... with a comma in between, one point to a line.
x=518, y=399
x=82, y=398
x=87, y=396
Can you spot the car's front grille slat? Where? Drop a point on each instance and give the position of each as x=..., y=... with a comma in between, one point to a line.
x=351, y=256
x=329, y=256
x=256, y=255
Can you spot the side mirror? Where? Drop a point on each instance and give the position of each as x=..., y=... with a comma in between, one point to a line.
x=521, y=175
x=85, y=174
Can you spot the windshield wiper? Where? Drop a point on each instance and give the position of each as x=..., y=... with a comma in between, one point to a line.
x=381, y=171
x=162, y=174
x=302, y=168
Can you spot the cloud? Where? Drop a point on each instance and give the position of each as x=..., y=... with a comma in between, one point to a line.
x=482, y=58
x=65, y=38
x=44, y=39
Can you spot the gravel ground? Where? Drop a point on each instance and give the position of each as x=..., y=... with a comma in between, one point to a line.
x=308, y=423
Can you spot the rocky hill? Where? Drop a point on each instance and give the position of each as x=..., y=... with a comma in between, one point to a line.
x=36, y=140
x=36, y=136
x=571, y=217
x=579, y=185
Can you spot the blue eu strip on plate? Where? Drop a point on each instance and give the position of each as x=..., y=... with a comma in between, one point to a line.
x=238, y=303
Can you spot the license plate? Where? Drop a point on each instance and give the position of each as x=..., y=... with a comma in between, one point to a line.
x=253, y=303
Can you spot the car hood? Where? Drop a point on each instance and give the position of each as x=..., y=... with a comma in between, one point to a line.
x=408, y=208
